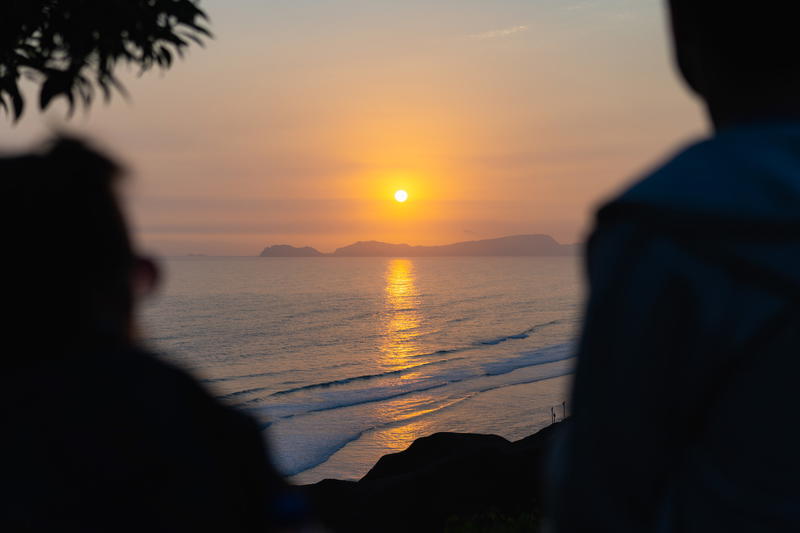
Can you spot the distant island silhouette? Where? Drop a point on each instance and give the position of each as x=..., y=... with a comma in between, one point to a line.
x=514, y=245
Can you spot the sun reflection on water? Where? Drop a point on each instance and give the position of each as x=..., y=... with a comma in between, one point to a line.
x=401, y=348
x=400, y=437
x=402, y=315
x=408, y=420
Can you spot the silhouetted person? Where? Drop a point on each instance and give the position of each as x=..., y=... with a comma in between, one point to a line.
x=97, y=434
x=553, y=414
x=693, y=319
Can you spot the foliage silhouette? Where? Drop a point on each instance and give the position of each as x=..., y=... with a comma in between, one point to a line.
x=71, y=47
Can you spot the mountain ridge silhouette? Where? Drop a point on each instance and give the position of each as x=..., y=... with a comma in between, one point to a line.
x=531, y=245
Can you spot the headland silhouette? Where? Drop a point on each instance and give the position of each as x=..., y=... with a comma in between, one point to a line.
x=514, y=246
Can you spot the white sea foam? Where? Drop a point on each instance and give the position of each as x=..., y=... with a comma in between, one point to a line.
x=316, y=430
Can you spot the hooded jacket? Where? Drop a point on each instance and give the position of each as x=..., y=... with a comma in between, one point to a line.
x=688, y=378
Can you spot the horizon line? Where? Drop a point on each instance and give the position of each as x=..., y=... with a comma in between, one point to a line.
x=431, y=245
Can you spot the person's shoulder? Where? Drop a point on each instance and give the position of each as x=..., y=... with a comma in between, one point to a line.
x=738, y=177
x=160, y=376
x=684, y=179
x=639, y=226
x=137, y=365
x=158, y=394
x=142, y=361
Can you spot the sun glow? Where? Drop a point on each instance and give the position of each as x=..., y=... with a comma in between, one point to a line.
x=401, y=196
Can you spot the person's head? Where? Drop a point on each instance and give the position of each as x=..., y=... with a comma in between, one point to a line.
x=70, y=275
x=742, y=58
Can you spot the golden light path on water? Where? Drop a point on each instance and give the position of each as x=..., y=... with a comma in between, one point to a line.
x=402, y=325
x=402, y=315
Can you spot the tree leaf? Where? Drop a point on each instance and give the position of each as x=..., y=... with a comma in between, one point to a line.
x=56, y=83
x=71, y=47
x=17, y=101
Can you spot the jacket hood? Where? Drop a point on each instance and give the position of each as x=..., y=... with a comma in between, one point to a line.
x=736, y=195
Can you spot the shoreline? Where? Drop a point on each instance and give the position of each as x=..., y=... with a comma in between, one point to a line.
x=513, y=412
x=442, y=482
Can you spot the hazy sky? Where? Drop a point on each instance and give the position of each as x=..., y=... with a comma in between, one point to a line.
x=301, y=118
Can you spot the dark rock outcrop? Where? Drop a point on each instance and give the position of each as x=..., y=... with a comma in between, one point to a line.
x=438, y=478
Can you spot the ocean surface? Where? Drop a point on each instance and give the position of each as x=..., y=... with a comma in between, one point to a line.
x=345, y=359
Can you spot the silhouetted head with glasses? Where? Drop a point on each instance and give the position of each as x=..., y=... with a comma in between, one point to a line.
x=70, y=274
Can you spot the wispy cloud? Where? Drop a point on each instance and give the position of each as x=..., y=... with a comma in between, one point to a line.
x=581, y=5
x=497, y=34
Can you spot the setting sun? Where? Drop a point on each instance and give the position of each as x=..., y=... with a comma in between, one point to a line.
x=401, y=196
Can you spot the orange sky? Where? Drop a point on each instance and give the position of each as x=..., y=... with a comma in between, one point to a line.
x=300, y=120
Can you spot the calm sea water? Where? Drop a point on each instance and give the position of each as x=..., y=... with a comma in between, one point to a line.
x=346, y=359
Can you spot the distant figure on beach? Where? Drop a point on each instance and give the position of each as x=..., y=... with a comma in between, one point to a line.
x=553, y=414
x=98, y=434
x=563, y=410
x=693, y=321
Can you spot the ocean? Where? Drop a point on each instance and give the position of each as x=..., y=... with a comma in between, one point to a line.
x=343, y=360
